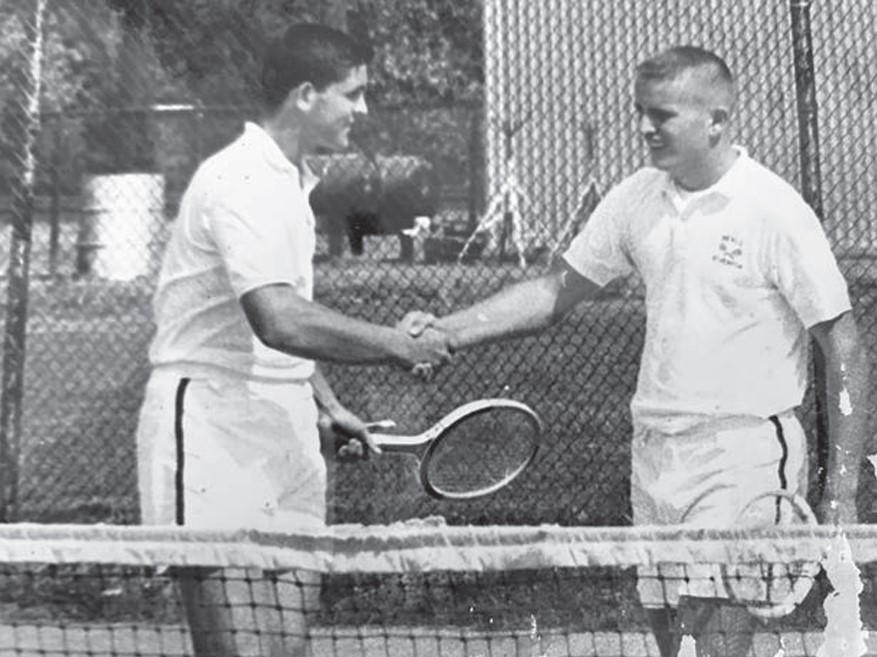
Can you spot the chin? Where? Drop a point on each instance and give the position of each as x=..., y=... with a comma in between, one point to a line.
x=336, y=145
x=660, y=161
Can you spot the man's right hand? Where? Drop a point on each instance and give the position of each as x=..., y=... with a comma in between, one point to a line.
x=416, y=322
x=424, y=353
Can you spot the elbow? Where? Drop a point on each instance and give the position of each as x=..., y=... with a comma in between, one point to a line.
x=282, y=321
x=273, y=338
x=271, y=334
x=288, y=343
x=554, y=316
x=274, y=335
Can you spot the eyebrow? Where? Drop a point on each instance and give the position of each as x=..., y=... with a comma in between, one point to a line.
x=654, y=110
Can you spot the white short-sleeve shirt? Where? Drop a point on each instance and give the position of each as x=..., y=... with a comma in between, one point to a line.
x=245, y=221
x=734, y=276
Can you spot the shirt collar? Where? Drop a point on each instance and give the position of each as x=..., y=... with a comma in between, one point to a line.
x=309, y=178
x=270, y=150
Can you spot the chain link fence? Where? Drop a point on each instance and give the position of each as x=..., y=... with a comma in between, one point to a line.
x=500, y=121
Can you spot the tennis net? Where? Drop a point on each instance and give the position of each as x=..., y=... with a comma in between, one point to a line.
x=416, y=588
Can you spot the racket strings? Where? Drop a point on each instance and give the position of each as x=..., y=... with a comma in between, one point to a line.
x=483, y=450
x=772, y=589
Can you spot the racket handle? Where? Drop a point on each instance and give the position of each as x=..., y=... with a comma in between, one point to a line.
x=380, y=424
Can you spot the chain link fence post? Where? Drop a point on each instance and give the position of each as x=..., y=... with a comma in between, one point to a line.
x=26, y=123
x=811, y=190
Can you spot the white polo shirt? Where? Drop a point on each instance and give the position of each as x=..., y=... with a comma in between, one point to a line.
x=734, y=276
x=245, y=221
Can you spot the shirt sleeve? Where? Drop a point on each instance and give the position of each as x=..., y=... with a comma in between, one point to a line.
x=255, y=238
x=599, y=251
x=804, y=268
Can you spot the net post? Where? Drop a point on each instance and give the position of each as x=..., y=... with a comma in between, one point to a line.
x=12, y=393
x=811, y=189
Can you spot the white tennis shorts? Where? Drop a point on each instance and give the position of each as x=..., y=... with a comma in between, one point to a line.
x=704, y=478
x=220, y=452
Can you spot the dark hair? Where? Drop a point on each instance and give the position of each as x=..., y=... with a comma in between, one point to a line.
x=308, y=53
x=672, y=62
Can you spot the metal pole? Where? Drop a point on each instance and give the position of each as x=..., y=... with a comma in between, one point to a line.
x=805, y=93
x=811, y=188
x=55, y=203
x=28, y=122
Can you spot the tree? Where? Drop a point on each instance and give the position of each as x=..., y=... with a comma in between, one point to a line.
x=104, y=54
x=92, y=61
x=426, y=51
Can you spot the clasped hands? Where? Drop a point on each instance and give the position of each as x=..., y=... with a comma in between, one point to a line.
x=430, y=348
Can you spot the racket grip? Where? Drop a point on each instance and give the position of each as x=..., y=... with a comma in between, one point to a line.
x=380, y=424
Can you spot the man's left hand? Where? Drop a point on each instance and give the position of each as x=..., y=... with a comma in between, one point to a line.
x=343, y=435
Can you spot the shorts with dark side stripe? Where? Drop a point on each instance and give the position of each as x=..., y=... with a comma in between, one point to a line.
x=221, y=452
x=704, y=477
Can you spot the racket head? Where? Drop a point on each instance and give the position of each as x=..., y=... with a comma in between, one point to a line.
x=772, y=590
x=480, y=448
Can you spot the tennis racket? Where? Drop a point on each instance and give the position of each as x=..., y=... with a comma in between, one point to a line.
x=772, y=590
x=474, y=450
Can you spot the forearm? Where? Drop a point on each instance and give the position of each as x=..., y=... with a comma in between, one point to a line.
x=323, y=334
x=521, y=309
x=323, y=393
x=286, y=322
x=847, y=392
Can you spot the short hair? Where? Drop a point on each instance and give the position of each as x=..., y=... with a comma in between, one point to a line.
x=308, y=52
x=678, y=61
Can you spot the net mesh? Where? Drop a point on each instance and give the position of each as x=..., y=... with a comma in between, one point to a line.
x=408, y=589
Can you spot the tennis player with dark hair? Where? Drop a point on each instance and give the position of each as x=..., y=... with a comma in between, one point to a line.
x=738, y=276
x=228, y=432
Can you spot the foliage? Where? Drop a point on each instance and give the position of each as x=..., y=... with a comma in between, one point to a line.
x=120, y=140
x=90, y=62
x=103, y=55
x=426, y=51
x=443, y=135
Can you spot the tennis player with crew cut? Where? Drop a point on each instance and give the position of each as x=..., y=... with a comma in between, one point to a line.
x=228, y=432
x=738, y=276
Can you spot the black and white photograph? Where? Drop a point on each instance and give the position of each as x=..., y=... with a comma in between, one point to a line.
x=438, y=328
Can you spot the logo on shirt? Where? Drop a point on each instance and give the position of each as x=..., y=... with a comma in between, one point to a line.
x=730, y=252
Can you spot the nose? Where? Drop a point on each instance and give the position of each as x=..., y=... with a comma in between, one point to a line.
x=646, y=127
x=361, y=106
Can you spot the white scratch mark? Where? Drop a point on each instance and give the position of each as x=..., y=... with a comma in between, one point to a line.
x=844, y=635
x=844, y=402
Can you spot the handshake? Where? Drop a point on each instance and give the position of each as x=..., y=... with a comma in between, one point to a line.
x=424, y=345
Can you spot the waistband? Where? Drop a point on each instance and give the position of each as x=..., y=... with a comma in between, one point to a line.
x=689, y=425
x=201, y=371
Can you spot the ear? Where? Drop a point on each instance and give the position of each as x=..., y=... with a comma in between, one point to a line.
x=719, y=117
x=301, y=97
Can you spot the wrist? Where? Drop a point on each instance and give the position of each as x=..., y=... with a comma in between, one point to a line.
x=400, y=348
x=327, y=404
x=452, y=336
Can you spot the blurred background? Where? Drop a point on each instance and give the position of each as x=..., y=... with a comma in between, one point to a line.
x=494, y=128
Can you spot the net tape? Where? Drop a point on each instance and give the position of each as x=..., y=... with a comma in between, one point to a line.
x=418, y=587
x=426, y=545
